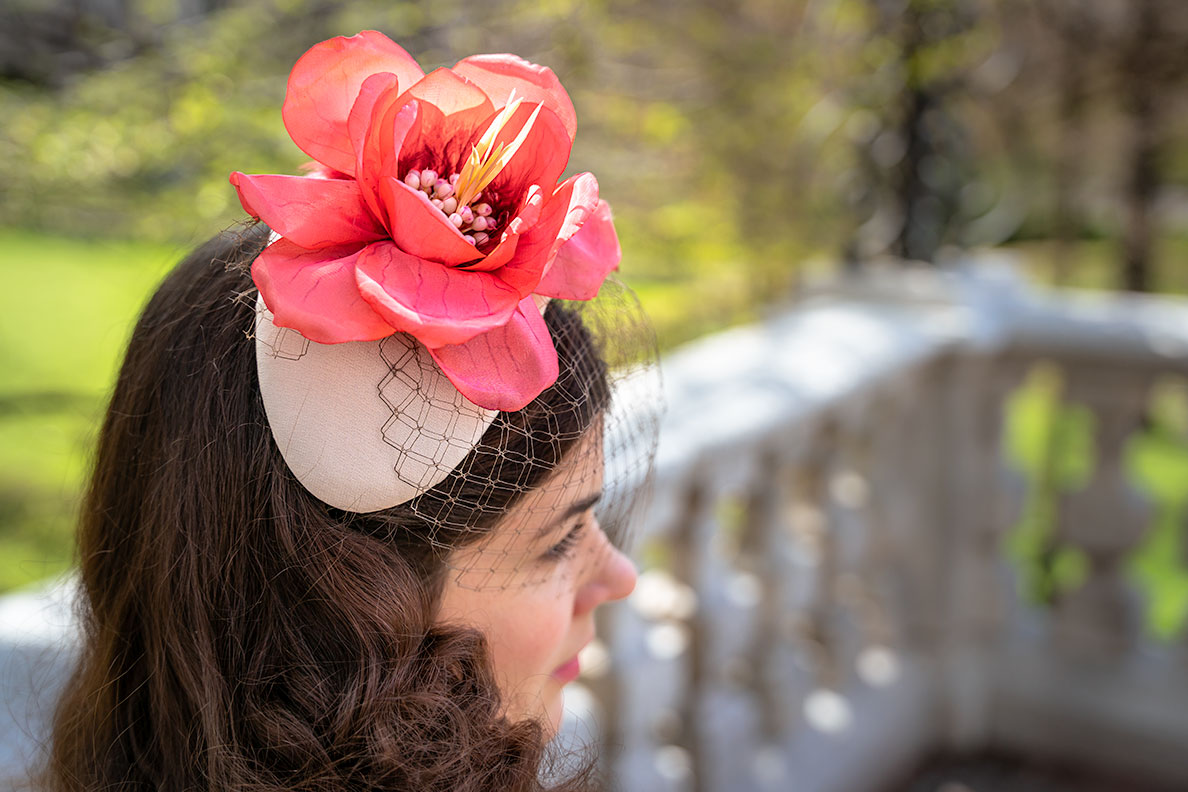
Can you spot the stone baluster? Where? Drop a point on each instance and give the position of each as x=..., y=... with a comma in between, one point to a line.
x=846, y=494
x=731, y=603
x=877, y=457
x=762, y=552
x=651, y=647
x=1104, y=520
x=690, y=543
x=909, y=465
x=766, y=552
x=818, y=640
x=970, y=527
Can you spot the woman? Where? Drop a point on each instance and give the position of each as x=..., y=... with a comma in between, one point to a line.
x=340, y=532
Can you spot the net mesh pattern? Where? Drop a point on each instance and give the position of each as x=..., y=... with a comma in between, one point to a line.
x=288, y=344
x=425, y=411
x=549, y=489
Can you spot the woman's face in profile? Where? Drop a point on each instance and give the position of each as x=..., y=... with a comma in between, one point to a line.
x=532, y=588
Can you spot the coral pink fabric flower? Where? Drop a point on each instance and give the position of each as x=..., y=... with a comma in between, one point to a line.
x=437, y=212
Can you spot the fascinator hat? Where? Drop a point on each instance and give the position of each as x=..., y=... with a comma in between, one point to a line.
x=401, y=300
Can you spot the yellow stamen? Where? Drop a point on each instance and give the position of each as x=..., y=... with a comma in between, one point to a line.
x=485, y=163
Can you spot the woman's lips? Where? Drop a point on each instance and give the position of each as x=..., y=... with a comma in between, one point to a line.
x=568, y=672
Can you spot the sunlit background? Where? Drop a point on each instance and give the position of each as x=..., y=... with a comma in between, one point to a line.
x=749, y=149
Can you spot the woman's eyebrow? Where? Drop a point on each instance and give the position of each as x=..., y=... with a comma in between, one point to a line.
x=584, y=505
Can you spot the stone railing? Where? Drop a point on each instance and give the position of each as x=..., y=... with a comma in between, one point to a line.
x=828, y=599
x=826, y=596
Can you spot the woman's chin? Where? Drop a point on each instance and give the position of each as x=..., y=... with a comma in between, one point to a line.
x=554, y=711
x=546, y=707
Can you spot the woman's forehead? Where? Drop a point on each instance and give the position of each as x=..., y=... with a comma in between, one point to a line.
x=575, y=485
x=536, y=519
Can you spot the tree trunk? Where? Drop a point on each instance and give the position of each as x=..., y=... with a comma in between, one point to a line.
x=1066, y=219
x=1143, y=174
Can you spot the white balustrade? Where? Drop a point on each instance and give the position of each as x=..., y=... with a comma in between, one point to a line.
x=834, y=494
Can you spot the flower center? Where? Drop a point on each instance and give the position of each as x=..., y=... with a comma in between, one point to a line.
x=458, y=195
x=476, y=222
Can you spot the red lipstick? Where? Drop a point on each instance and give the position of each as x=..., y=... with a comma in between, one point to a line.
x=568, y=672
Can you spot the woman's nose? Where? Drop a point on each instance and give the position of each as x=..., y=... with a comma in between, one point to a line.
x=620, y=575
x=614, y=579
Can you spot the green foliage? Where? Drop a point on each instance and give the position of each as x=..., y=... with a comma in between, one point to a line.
x=1052, y=445
x=1159, y=461
x=704, y=137
x=718, y=145
x=143, y=149
x=1091, y=264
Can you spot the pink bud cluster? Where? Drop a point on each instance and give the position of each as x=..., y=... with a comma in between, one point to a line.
x=474, y=220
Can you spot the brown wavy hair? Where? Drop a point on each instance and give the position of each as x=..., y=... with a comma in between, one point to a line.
x=238, y=634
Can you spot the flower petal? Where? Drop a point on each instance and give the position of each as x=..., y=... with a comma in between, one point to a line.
x=317, y=170
x=563, y=214
x=505, y=368
x=381, y=134
x=324, y=84
x=419, y=228
x=449, y=93
x=437, y=304
x=582, y=263
x=497, y=256
x=499, y=75
x=314, y=292
x=374, y=88
x=309, y=212
x=451, y=110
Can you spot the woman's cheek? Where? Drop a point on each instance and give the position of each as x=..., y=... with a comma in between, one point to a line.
x=538, y=629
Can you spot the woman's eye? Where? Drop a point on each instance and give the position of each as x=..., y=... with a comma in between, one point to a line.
x=564, y=548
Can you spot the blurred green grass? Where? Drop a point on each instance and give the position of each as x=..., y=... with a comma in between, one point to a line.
x=67, y=307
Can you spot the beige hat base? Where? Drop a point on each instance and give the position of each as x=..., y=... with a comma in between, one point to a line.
x=364, y=425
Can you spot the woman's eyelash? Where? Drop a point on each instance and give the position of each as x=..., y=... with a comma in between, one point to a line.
x=563, y=548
